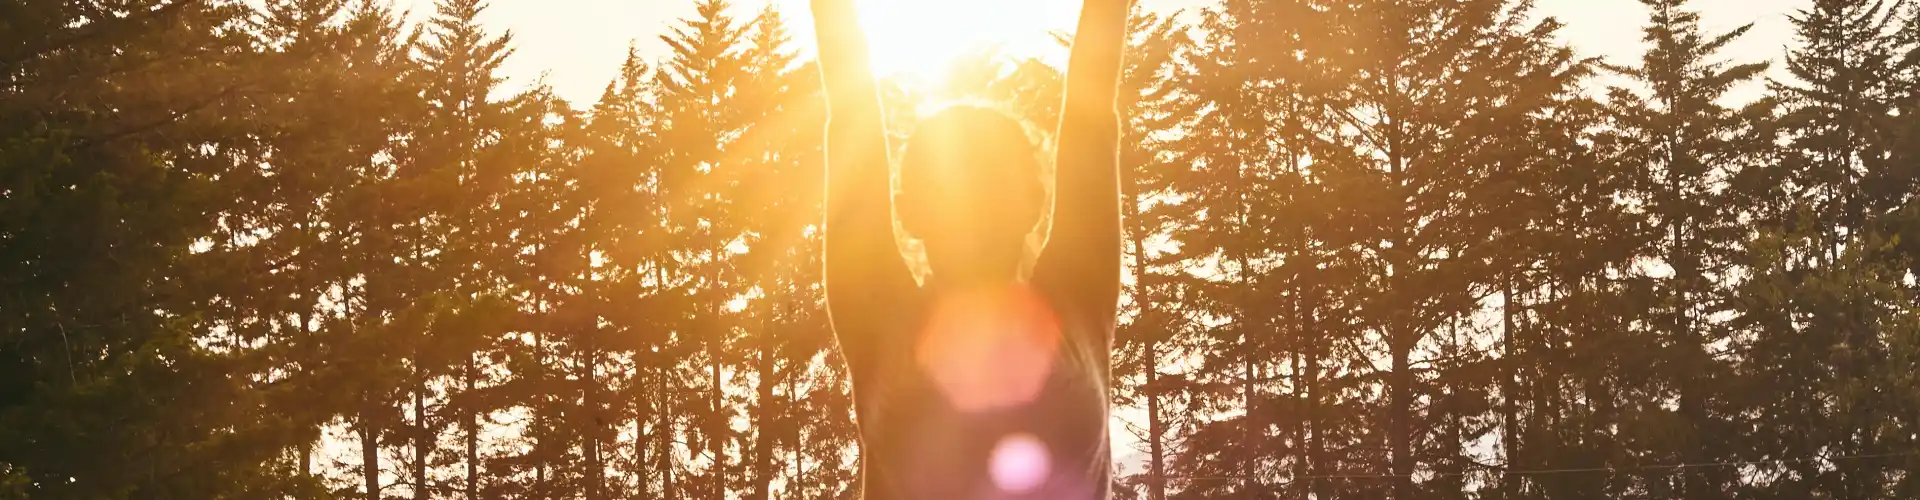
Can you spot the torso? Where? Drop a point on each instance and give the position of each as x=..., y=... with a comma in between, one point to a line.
x=927, y=436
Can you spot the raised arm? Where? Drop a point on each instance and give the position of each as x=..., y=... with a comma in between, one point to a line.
x=1082, y=256
x=865, y=274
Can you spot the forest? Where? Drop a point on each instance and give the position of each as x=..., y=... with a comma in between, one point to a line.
x=1375, y=249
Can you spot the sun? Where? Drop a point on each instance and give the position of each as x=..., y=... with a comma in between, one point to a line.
x=920, y=38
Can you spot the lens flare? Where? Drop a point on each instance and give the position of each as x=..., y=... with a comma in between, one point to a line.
x=989, y=351
x=1020, y=463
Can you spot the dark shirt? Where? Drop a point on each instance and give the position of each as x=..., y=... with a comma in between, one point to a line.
x=1027, y=420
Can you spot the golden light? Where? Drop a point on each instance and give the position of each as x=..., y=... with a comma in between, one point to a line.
x=988, y=351
x=920, y=38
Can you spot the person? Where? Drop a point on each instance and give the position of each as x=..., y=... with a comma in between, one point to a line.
x=990, y=381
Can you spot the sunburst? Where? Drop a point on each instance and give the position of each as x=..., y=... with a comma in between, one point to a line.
x=921, y=38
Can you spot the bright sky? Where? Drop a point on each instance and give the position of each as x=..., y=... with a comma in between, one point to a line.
x=578, y=44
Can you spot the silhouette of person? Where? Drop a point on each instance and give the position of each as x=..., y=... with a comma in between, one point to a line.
x=982, y=383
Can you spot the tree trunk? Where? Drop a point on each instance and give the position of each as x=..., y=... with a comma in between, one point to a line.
x=422, y=436
x=369, y=430
x=763, y=438
x=1249, y=460
x=1296, y=359
x=1316, y=463
x=306, y=460
x=596, y=472
x=1249, y=322
x=369, y=451
x=540, y=409
x=472, y=424
x=640, y=442
x=640, y=454
x=1156, y=452
x=1149, y=322
x=717, y=436
x=799, y=439
x=1399, y=337
x=1400, y=416
x=1400, y=392
x=306, y=445
x=663, y=436
x=1510, y=485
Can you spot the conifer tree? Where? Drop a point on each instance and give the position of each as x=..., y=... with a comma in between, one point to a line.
x=779, y=148
x=1424, y=101
x=1821, y=305
x=448, y=179
x=314, y=151
x=698, y=183
x=616, y=171
x=1684, y=144
x=1152, y=109
x=1229, y=193
x=120, y=150
x=1841, y=110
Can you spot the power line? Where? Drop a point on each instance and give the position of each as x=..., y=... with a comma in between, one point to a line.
x=1532, y=472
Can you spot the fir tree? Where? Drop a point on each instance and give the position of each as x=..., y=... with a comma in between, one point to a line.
x=1684, y=144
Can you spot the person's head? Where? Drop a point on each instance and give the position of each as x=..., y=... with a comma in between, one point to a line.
x=970, y=189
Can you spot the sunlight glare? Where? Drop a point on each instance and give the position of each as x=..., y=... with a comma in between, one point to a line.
x=1020, y=463
x=921, y=38
x=990, y=351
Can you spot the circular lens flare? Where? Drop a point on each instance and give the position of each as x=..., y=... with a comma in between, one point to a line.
x=1020, y=463
x=989, y=351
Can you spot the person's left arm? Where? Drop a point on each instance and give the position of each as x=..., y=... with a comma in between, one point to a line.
x=1082, y=256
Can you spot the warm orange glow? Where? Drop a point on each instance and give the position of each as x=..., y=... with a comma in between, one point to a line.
x=988, y=351
x=922, y=37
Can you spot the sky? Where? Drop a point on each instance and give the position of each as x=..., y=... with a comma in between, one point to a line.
x=575, y=46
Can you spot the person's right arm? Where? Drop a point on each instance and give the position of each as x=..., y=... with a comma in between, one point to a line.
x=866, y=278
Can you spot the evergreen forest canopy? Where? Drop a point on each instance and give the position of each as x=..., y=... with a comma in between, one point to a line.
x=1397, y=249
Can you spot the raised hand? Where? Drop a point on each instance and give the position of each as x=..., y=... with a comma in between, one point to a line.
x=842, y=44
x=865, y=274
x=1082, y=256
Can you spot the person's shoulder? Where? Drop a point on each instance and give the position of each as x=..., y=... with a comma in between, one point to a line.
x=1084, y=323
x=1077, y=303
x=870, y=331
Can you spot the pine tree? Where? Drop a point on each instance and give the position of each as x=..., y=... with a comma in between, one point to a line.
x=1841, y=111
x=1229, y=193
x=1151, y=109
x=1684, y=144
x=314, y=149
x=121, y=151
x=615, y=171
x=1820, y=307
x=1428, y=93
x=447, y=178
x=698, y=183
x=780, y=149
